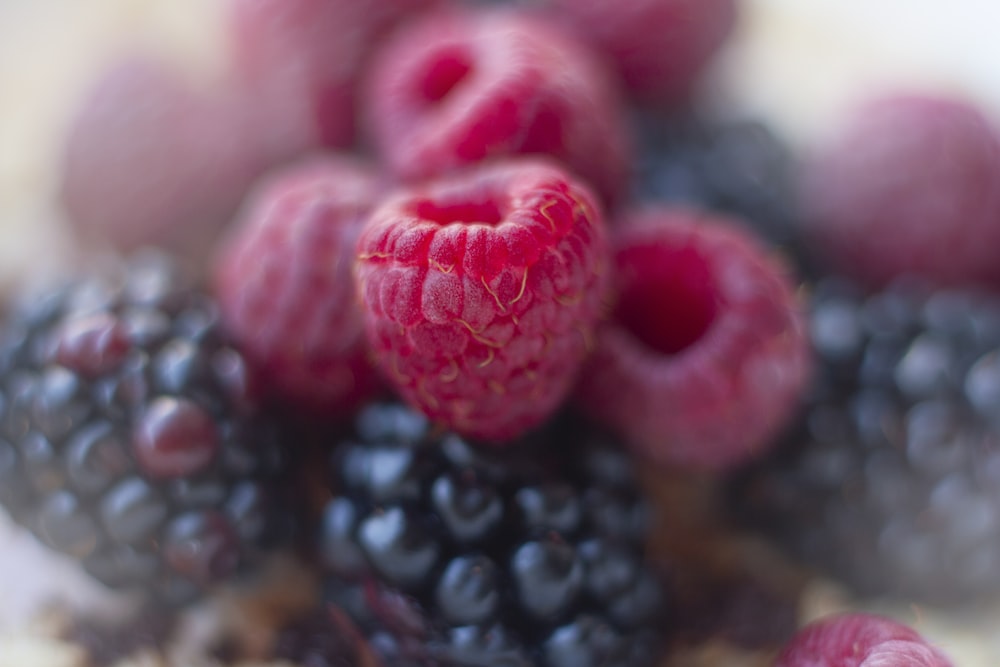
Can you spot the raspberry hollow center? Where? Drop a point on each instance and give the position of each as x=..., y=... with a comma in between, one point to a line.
x=668, y=297
x=445, y=69
x=485, y=211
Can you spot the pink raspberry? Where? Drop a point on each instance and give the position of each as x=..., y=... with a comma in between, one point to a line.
x=859, y=640
x=659, y=47
x=300, y=61
x=150, y=160
x=481, y=291
x=284, y=279
x=706, y=354
x=909, y=184
x=459, y=87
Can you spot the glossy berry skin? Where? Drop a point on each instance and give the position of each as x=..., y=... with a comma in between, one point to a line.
x=299, y=64
x=463, y=86
x=908, y=184
x=895, y=447
x=150, y=159
x=448, y=555
x=284, y=279
x=481, y=292
x=859, y=640
x=705, y=356
x=658, y=47
x=130, y=436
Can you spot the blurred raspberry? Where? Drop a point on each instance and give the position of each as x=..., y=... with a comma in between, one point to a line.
x=458, y=87
x=859, y=640
x=706, y=354
x=149, y=159
x=285, y=284
x=481, y=291
x=300, y=63
x=909, y=184
x=659, y=47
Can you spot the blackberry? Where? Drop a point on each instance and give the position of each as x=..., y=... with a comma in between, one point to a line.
x=891, y=480
x=740, y=168
x=128, y=434
x=446, y=555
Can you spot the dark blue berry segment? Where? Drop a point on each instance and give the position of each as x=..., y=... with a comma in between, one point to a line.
x=126, y=438
x=891, y=480
x=447, y=554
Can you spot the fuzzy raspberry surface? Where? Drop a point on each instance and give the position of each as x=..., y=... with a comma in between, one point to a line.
x=152, y=160
x=481, y=291
x=300, y=62
x=706, y=354
x=859, y=640
x=463, y=85
x=658, y=47
x=284, y=281
x=908, y=184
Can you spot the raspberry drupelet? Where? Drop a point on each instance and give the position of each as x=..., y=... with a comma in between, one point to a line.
x=284, y=280
x=481, y=292
x=859, y=640
x=706, y=354
x=464, y=85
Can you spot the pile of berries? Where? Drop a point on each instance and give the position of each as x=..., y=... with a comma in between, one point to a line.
x=487, y=295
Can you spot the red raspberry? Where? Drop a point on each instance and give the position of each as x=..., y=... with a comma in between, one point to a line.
x=859, y=640
x=481, y=291
x=909, y=184
x=285, y=285
x=660, y=47
x=149, y=160
x=706, y=354
x=300, y=61
x=462, y=86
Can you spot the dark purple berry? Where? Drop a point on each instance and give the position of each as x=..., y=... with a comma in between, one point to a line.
x=129, y=435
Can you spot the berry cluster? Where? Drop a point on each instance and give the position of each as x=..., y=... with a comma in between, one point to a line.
x=485, y=296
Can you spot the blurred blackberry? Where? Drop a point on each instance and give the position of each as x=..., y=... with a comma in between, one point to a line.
x=740, y=168
x=892, y=479
x=446, y=555
x=128, y=437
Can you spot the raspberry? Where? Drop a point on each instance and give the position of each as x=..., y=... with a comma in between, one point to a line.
x=300, y=61
x=660, y=47
x=859, y=640
x=150, y=160
x=463, y=86
x=909, y=184
x=704, y=321
x=284, y=278
x=481, y=291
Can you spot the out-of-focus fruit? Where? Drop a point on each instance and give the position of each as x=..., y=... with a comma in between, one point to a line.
x=909, y=185
x=706, y=354
x=285, y=284
x=462, y=86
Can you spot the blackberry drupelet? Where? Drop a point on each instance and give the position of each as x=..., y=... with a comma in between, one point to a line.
x=739, y=167
x=129, y=437
x=447, y=555
x=892, y=478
